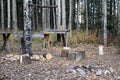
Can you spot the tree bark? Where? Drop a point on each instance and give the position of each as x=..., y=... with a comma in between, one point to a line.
x=86, y=17
x=2, y=14
x=105, y=20
x=63, y=14
x=48, y=14
x=118, y=16
x=58, y=13
x=70, y=16
x=43, y=15
x=14, y=15
x=54, y=17
x=9, y=18
x=78, y=14
x=27, y=33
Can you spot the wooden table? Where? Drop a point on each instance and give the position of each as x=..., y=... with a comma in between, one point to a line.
x=6, y=36
x=50, y=31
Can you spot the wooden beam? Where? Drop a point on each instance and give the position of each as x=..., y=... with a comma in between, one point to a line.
x=41, y=6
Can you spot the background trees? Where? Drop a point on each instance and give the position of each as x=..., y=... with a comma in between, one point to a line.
x=86, y=15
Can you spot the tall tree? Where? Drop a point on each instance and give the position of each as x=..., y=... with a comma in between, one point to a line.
x=63, y=14
x=37, y=15
x=58, y=13
x=27, y=33
x=2, y=14
x=43, y=14
x=118, y=6
x=9, y=18
x=105, y=20
x=78, y=14
x=86, y=2
x=70, y=16
x=14, y=15
x=48, y=14
x=53, y=13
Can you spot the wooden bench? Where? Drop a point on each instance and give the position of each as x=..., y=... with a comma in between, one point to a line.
x=46, y=32
x=33, y=35
x=22, y=40
x=6, y=36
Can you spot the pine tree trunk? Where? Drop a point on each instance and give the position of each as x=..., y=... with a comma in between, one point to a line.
x=43, y=15
x=118, y=17
x=86, y=17
x=105, y=20
x=70, y=16
x=8, y=8
x=58, y=13
x=2, y=14
x=78, y=14
x=36, y=17
x=48, y=14
x=54, y=17
x=63, y=15
x=27, y=33
x=14, y=15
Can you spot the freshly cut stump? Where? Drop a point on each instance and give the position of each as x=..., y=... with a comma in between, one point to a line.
x=77, y=55
x=25, y=59
x=65, y=52
x=35, y=57
x=47, y=56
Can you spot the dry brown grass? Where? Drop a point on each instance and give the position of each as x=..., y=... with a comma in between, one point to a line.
x=91, y=38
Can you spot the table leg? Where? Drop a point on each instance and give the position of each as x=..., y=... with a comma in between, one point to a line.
x=5, y=44
x=66, y=39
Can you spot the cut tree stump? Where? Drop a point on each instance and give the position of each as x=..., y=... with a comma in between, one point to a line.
x=25, y=59
x=77, y=55
x=35, y=57
x=47, y=56
x=65, y=52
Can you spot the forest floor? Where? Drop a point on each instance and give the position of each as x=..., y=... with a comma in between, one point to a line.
x=93, y=67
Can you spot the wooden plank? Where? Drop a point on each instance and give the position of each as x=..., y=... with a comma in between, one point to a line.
x=33, y=36
x=41, y=6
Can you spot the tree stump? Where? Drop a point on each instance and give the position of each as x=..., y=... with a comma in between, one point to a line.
x=47, y=56
x=77, y=55
x=65, y=52
x=25, y=59
x=35, y=57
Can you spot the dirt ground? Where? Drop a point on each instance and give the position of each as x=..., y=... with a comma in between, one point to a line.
x=93, y=67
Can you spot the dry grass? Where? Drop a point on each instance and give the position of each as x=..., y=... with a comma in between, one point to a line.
x=91, y=38
x=77, y=38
